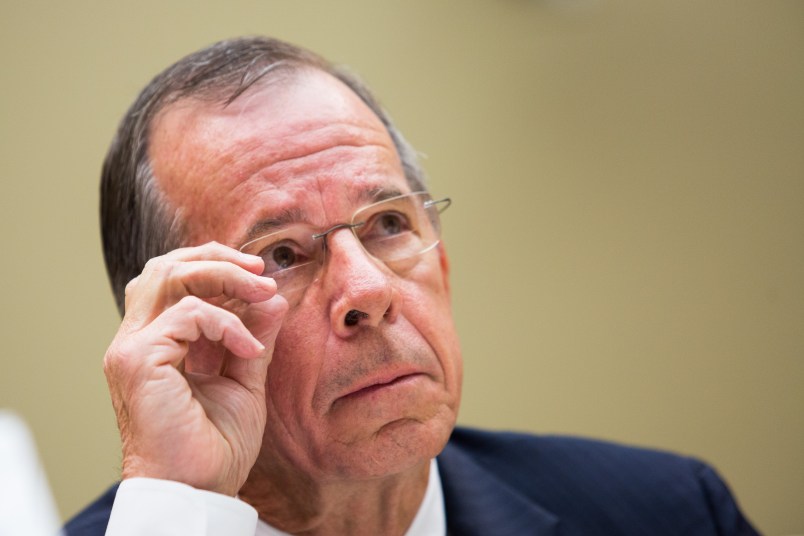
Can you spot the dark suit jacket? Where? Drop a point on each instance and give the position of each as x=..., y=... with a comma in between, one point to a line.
x=498, y=484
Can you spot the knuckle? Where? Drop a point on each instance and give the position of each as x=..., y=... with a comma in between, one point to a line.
x=187, y=274
x=191, y=302
x=192, y=306
x=159, y=266
x=131, y=286
x=108, y=365
x=116, y=358
x=213, y=248
x=151, y=263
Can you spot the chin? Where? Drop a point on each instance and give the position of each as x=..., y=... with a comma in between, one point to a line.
x=394, y=448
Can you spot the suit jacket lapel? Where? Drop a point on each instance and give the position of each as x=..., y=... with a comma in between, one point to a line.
x=478, y=503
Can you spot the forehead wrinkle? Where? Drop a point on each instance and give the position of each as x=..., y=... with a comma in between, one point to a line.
x=286, y=157
x=219, y=131
x=289, y=148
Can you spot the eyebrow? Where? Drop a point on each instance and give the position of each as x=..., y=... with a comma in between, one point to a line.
x=374, y=195
x=266, y=226
x=297, y=215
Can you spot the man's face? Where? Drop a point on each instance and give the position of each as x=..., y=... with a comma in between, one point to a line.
x=344, y=401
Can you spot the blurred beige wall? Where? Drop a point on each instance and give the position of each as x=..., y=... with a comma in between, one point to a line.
x=627, y=234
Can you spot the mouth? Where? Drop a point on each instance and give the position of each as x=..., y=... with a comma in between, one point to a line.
x=377, y=385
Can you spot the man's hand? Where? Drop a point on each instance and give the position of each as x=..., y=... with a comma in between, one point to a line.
x=187, y=367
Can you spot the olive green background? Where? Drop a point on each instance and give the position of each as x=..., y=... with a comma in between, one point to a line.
x=627, y=233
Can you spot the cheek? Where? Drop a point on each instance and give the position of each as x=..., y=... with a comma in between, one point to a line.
x=428, y=307
x=295, y=367
x=427, y=293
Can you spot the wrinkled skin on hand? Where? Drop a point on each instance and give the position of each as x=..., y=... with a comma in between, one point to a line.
x=186, y=370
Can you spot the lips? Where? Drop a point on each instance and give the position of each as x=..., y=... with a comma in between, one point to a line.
x=378, y=383
x=379, y=367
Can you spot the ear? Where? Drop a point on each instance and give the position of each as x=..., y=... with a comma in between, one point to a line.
x=443, y=262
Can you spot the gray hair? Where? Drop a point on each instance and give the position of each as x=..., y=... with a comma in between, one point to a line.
x=137, y=222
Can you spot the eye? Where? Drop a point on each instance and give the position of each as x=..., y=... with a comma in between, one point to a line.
x=387, y=224
x=282, y=256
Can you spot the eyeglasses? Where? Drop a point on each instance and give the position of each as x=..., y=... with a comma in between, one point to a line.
x=395, y=231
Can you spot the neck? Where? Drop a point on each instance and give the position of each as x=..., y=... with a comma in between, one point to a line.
x=297, y=505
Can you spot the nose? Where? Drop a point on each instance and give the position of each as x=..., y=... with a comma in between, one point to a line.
x=361, y=290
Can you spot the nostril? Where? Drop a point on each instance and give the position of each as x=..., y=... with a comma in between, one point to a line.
x=354, y=316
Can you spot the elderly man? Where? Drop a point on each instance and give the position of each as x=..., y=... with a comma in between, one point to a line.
x=287, y=361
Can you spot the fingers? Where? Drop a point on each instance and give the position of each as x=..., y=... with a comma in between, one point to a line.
x=206, y=271
x=187, y=367
x=203, y=304
x=166, y=340
x=264, y=321
x=192, y=318
x=208, y=279
x=164, y=414
x=216, y=252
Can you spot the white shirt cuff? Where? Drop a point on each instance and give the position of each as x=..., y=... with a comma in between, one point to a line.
x=166, y=508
